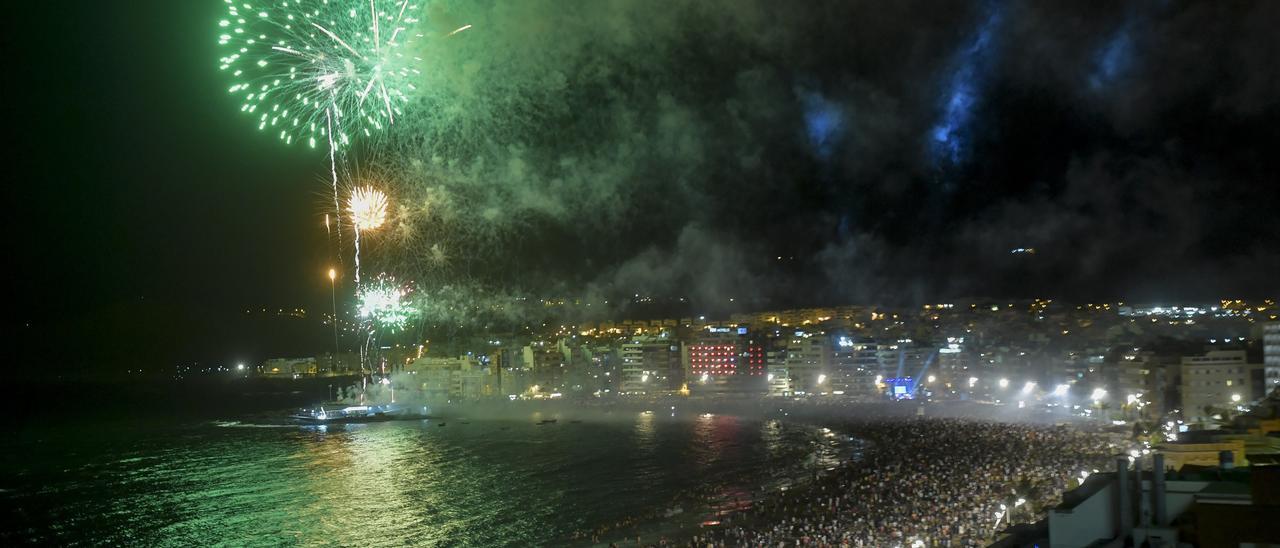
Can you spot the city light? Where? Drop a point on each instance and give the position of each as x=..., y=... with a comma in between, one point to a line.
x=333, y=274
x=1029, y=387
x=973, y=381
x=1098, y=394
x=931, y=378
x=1235, y=398
x=822, y=379
x=1004, y=383
x=1061, y=390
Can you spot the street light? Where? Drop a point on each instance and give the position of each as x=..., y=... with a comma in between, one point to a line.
x=333, y=297
x=1061, y=390
x=1027, y=388
x=1098, y=393
x=931, y=379
x=973, y=381
x=1235, y=398
x=1004, y=383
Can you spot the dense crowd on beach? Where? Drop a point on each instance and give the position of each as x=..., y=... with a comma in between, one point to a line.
x=920, y=482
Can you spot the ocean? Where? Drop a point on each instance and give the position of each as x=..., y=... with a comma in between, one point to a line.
x=470, y=482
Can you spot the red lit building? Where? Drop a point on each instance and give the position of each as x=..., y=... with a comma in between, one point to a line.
x=717, y=352
x=754, y=358
x=713, y=359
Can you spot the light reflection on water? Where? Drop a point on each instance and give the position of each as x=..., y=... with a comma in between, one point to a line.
x=482, y=483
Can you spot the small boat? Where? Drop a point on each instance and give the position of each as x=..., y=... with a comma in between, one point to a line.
x=575, y=421
x=441, y=424
x=547, y=421
x=353, y=414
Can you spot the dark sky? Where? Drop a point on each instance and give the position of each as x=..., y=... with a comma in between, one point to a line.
x=888, y=151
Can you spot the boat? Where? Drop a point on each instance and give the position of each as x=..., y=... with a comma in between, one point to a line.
x=341, y=413
x=547, y=421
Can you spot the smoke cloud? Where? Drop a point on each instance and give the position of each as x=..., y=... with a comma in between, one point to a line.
x=744, y=154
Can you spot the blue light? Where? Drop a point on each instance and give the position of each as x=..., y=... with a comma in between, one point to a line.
x=1113, y=59
x=823, y=122
x=961, y=93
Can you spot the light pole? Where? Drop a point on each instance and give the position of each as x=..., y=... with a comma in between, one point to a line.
x=333, y=296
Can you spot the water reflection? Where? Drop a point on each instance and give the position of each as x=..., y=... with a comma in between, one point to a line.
x=645, y=432
x=481, y=483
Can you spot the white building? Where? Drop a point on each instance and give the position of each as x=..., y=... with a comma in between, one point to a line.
x=1216, y=380
x=632, y=354
x=461, y=378
x=1139, y=506
x=1271, y=355
x=779, y=382
x=854, y=366
x=635, y=381
x=809, y=361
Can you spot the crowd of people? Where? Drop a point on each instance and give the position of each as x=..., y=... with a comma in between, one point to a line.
x=916, y=482
x=922, y=482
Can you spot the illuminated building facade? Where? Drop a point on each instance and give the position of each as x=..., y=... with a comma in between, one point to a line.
x=854, y=365
x=716, y=356
x=1271, y=355
x=1218, y=379
x=809, y=361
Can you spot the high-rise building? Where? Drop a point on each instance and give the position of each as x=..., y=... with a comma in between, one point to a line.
x=809, y=361
x=662, y=357
x=1218, y=379
x=1271, y=355
x=440, y=379
x=715, y=353
x=854, y=366
x=727, y=359
x=656, y=359
x=549, y=364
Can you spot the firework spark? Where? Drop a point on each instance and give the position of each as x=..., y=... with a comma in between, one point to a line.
x=368, y=208
x=321, y=70
x=384, y=303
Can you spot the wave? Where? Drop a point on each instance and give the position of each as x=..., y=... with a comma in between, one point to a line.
x=238, y=424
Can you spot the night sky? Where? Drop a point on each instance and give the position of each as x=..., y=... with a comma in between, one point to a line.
x=775, y=154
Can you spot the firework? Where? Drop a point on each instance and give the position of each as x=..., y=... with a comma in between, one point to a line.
x=321, y=70
x=384, y=303
x=368, y=208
